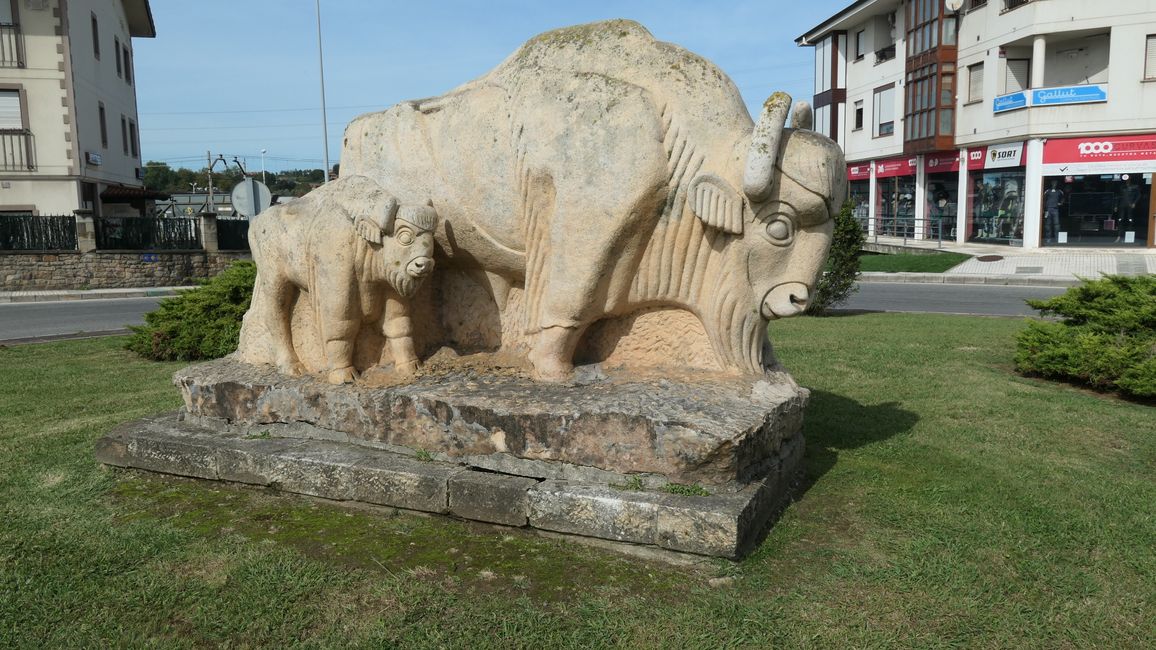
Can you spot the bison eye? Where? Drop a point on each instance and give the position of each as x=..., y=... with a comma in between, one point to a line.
x=780, y=230
x=404, y=236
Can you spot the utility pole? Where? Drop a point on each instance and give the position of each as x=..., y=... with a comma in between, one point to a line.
x=324, y=118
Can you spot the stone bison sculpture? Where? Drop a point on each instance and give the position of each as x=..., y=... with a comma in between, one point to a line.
x=357, y=255
x=605, y=172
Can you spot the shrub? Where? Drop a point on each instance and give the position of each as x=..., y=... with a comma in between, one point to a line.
x=842, y=269
x=202, y=323
x=1106, y=337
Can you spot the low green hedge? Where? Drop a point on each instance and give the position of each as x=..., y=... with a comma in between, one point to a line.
x=201, y=323
x=1106, y=337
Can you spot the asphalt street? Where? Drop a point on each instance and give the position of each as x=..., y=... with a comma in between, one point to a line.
x=23, y=320
x=71, y=317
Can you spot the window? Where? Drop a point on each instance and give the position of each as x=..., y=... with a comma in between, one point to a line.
x=116, y=48
x=860, y=44
x=103, y=125
x=1017, y=75
x=975, y=82
x=1150, y=58
x=11, y=111
x=922, y=26
x=124, y=134
x=1008, y=5
x=133, y=143
x=884, y=110
x=95, y=38
x=859, y=115
x=127, y=66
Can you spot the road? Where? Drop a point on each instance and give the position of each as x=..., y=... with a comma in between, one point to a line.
x=23, y=320
x=981, y=299
x=56, y=319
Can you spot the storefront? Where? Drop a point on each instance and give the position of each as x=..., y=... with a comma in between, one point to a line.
x=859, y=192
x=942, y=195
x=895, y=196
x=1098, y=191
x=995, y=198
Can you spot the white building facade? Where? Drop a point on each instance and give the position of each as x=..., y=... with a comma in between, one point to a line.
x=69, y=132
x=1022, y=122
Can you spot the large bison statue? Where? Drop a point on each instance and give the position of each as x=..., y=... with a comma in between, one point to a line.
x=606, y=172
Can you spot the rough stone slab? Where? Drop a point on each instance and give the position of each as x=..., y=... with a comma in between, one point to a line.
x=493, y=498
x=706, y=429
x=724, y=524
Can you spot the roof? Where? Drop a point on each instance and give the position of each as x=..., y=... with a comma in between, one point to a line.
x=140, y=19
x=126, y=193
x=852, y=15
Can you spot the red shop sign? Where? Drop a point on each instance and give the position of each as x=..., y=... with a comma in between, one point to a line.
x=1100, y=149
x=976, y=158
x=938, y=163
x=859, y=172
x=895, y=167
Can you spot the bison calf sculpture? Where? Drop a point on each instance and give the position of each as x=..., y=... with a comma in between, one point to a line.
x=358, y=256
x=602, y=173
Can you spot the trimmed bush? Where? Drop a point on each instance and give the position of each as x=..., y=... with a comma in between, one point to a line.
x=1106, y=338
x=842, y=269
x=202, y=323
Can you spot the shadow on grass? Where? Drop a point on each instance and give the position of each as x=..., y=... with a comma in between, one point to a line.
x=835, y=423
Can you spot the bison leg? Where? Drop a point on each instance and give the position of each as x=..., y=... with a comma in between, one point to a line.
x=398, y=329
x=553, y=352
x=337, y=313
x=273, y=302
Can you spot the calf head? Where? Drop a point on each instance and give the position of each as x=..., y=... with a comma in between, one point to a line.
x=402, y=239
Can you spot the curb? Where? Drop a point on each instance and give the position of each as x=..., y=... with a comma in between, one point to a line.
x=91, y=294
x=968, y=279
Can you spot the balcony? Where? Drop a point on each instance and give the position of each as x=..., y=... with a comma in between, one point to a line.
x=11, y=46
x=1008, y=5
x=17, y=151
x=885, y=54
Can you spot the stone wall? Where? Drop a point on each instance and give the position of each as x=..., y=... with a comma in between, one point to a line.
x=109, y=270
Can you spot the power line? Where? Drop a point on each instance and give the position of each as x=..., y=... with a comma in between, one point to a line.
x=264, y=110
x=253, y=126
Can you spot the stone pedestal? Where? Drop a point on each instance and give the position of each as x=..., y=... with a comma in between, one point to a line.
x=699, y=464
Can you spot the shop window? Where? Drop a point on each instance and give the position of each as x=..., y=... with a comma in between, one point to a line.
x=1150, y=58
x=975, y=82
x=860, y=44
x=859, y=115
x=884, y=110
x=1017, y=76
x=997, y=202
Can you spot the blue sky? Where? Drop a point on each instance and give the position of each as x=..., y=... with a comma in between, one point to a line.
x=237, y=77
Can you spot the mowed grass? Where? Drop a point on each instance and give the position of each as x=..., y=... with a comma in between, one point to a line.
x=911, y=263
x=948, y=503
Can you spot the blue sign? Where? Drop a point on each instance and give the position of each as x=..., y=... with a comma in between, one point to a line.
x=1010, y=102
x=1088, y=94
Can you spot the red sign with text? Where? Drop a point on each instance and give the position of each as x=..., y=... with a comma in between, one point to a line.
x=895, y=167
x=859, y=172
x=976, y=158
x=938, y=163
x=1100, y=149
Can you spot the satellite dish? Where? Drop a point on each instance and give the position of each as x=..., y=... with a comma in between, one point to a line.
x=953, y=5
x=251, y=197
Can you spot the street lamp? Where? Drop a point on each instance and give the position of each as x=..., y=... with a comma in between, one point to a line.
x=324, y=119
x=263, y=167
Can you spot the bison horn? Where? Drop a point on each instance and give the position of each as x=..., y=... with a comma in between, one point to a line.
x=760, y=172
x=803, y=117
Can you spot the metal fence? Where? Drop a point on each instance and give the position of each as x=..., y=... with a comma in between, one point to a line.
x=26, y=232
x=17, y=151
x=11, y=46
x=233, y=234
x=147, y=233
x=933, y=228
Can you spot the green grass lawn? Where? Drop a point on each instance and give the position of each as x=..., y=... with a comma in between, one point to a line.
x=948, y=503
x=911, y=263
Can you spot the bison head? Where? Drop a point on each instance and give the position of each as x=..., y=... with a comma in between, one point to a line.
x=779, y=226
x=403, y=240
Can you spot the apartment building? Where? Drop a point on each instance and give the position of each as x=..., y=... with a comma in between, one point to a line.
x=69, y=134
x=1021, y=122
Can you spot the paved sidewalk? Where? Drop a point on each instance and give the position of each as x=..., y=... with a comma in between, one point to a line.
x=88, y=294
x=995, y=264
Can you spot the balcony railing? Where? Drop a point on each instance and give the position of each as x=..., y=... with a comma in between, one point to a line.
x=11, y=46
x=17, y=151
x=885, y=54
x=1008, y=5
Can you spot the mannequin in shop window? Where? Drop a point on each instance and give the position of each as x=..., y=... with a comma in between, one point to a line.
x=1010, y=215
x=1053, y=199
x=1126, y=208
x=937, y=208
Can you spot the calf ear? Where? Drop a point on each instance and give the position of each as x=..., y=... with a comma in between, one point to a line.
x=372, y=227
x=716, y=203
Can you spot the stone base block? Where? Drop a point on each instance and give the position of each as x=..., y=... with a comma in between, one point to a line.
x=699, y=428
x=723, y=524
